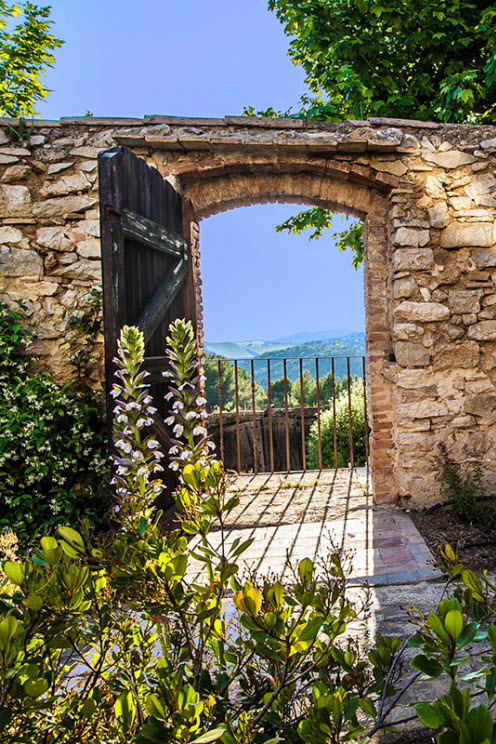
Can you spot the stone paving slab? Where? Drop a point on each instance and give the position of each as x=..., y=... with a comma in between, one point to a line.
x=291, y=517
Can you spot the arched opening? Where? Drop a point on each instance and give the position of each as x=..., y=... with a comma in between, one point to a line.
x=339, y=187
x=284, y=341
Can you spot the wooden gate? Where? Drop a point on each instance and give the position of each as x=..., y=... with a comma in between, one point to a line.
x=147, y=274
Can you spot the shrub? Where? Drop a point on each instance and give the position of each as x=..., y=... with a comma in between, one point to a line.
x=359, y=431
x=52, y=444
x=135, y=638
x=461, y=485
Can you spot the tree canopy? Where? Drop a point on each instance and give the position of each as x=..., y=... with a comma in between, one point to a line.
x=428, y=60
x=434, y=59
x=26, y=48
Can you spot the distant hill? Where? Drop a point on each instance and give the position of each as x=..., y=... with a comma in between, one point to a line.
x=350, y=345
x=305, y=336
x=230, y=350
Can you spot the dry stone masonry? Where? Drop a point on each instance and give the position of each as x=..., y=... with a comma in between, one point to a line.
x=427, y=193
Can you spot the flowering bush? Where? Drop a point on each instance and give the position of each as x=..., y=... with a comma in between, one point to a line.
x=53, y=461
x=139, y=456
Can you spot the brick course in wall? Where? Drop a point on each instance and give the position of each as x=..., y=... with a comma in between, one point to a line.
x=426, y=191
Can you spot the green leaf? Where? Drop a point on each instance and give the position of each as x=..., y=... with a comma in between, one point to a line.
x=48, y=543
x=125, y=710
x=429, y=667
x=36, y=687
x=453, y=622
x=429, y=716
x=213, y=736
x=480, y=723
x=8, y=628
x=14, y=571
x=155, y=707
x=72, y=537
x=33, y=602
x=305, y=570
x=249, y=601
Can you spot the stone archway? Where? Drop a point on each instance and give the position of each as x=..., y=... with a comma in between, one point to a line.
x=212, y=188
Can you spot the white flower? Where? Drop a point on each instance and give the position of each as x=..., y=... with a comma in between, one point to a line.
x=178, y=405
x=169, y=396
x=174, y=450
x=191, y=415
x=211, y=445
x=199, y=430
x=157, y=468
x=170, y=420
x=142, y=471
x=137, y=455
x=200, y=401
x=124, y=446
x=152, y=444
x=174, y=466
x=178, y=430
x=130, y=406
x=185, y=455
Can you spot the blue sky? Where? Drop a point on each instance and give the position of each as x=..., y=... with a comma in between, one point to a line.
x=199, y=58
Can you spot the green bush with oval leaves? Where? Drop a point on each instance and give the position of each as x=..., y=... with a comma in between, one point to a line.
x=53, y=460
x=141, y=636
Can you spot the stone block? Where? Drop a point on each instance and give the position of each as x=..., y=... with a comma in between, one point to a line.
x=480, y=405
x=83, y=269
x=411, y=355
x=89, y=248
x=422, y=311
x=58, y=207
x=54, y=238
x=464, y=301
x=20, y=262
x=406, y=331
x=404, y=287
x=422, y=409
x=483, y=331
x=456, y=355
x=10, y=235
x=438, y=215
x=67, y=185
x=450, y=159
x=58, y=167
x=406, y=236
x=413, y=259
x=484, y=258
x=15, y=201
x=16, y=173
x=467, y=235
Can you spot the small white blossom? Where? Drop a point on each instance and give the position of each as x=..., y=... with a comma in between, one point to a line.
x=178, y=430
x=152, y=444
x=201, y=401
x=199, y=430
x=191, y=415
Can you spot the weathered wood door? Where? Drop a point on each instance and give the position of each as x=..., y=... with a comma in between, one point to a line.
x=147, y=275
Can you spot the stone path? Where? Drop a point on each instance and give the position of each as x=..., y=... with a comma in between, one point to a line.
x=297, y=516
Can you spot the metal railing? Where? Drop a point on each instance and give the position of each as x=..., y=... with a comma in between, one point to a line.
x=263, y=411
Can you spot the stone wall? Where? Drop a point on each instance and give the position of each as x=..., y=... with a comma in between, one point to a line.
x=427, y=193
